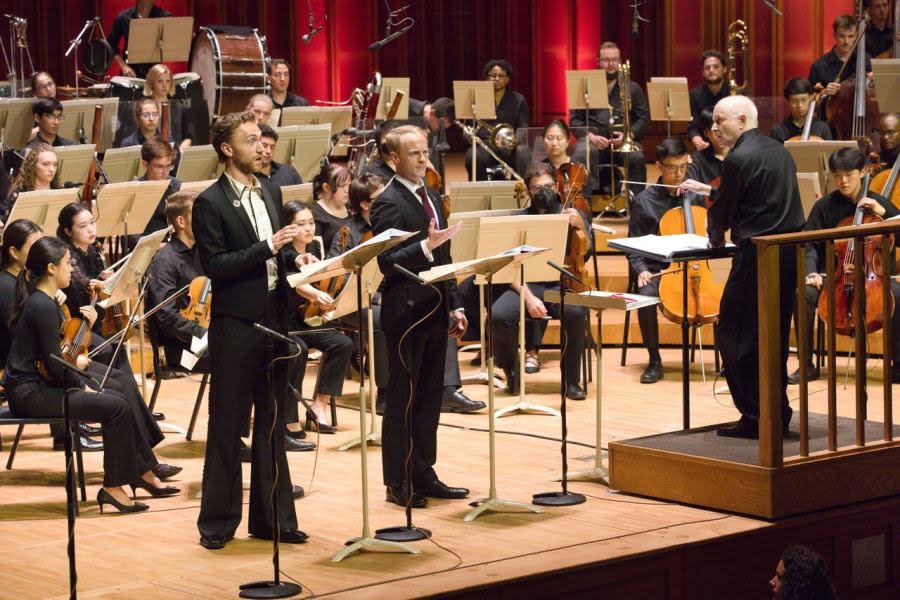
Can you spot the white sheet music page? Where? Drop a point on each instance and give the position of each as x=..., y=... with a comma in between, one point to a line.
x=663, y=247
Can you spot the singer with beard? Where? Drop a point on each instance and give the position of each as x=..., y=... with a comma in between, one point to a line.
x=238, y=229
x=408, y=205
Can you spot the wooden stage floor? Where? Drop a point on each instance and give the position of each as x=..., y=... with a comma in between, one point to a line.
x=156, y=554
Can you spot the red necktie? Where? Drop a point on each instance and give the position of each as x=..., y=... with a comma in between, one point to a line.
x=425, y=203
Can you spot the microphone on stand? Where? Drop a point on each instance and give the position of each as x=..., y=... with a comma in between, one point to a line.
x=274, y=334
x=390, y=38
x=306, y=37
x=409, y=274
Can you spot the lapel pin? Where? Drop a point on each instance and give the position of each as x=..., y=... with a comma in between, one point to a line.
x=236, y=203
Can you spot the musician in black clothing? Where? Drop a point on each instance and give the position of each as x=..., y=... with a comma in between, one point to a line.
x=39, y=172
x=48, y=116
x=706, y=164
x=276, y=173
x=331, y=194
x=824, y=71
x=383, y=166
x=880, y=33
x=601, y=135
x=279, y=75
x=143, y=9
x=705, y=95
x=158, y=157
x=511, y=108
x=799, y=93
x=406, y=204
x=238, y=228
x=646, y=211
x=845, y=166
x=758, y=196
x=888, y=139
x=146, y=115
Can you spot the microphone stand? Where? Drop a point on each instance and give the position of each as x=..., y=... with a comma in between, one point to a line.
x=563, y=497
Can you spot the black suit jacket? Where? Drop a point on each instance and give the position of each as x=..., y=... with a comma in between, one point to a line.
x=231, y=255
x=398, y=208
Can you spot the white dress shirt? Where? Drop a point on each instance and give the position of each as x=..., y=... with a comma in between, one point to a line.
x=251, y=199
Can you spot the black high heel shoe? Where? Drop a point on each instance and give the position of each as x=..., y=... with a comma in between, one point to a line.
x=104, y=497
x=312, y=424
x=156, y=492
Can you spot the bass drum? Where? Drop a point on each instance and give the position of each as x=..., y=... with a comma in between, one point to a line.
x=231, y=63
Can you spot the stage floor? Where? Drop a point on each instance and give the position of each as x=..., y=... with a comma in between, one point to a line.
x=156, y=554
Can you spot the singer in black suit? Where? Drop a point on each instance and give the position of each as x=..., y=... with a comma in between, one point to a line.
x=408, y=205
x=239, y=234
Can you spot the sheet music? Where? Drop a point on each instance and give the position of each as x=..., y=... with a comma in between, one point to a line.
x=664, y=247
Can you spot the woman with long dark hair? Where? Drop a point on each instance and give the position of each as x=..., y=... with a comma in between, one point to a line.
x=35, y=384
x=330, y=208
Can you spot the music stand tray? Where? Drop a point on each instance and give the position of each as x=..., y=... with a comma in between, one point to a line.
x=303, y=146
x=302, y=192
x=74, y=162
x=469, y=196
x=160, y=40
x=198, y=163
x=123, y=164
x=886, y=73
x=16, y=121
x=80, y=120
x=669, y=100
x=126, y=208
x=196, y=186
x=390, y=87
x=42, y=207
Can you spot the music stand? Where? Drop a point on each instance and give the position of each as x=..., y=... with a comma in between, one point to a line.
x=587, y=90
x=669, y=100
x=166, y=39
x=124, y=207
x=469, y=196
x=496, y=234
x=886, y=73
x=810, y=191
x=303, y=146
x=42, y=207
x=123, y=164
x=812, y=156
x=302, y=192
x=338, y=117
x=74, y=162
x=125, y=283
x=474, y=100
x=196, y=186
x=79, y=120
x=390, y=87
x=16, y=121
x=198, y=163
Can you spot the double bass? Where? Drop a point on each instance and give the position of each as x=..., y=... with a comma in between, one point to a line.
x=570, y=181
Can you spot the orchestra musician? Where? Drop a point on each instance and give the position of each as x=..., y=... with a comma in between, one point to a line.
x=157, y=157
x=758, y=196
x=336, y=347
x=48, y=115
x=39, y=172
x=846, y=170
x=160, y=88
x=408, y=205
x=143, y=9
x=146, y=115
x=824, y=71
x=239, y=234
x=511, y=108
x=545, y=199
x=706, y=164
x=648, y=207
x=799, y=94
x=439, y=116
x=279, y=76
x=274, y=172
x=331, y=187
x=607, y=140
x=42, y=85
x=129, y=430
x=880, y=33
x=707, y=94
x=383, y=166
x=261, y=106
x=888, y=139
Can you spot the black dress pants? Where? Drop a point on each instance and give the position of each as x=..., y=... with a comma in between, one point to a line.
x=648, y=320
x=336, y=349
x=239, y=355
x=600, y=178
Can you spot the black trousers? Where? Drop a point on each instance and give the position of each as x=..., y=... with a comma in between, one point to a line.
x=129, y=430
x=738, y=334
x=239, y=355
x=600, y=178
x=468, y=291
x=505, y=318
x=648, y=320
x=812, y=301
x=336, y=350
x=424, y=352
x=380, y=350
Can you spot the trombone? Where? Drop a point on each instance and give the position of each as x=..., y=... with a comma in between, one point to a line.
x=624, y=81
x=508, y=170
x=738, y=43
x=502, y=136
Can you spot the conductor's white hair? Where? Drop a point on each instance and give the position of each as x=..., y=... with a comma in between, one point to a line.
x=735, y=106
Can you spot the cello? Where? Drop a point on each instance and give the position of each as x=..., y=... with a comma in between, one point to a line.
x=570, y=181
x=703, y=294
x=885, y=183
x=845, y=293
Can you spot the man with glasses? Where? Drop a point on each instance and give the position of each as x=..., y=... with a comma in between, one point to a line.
x=511, y=108
x=649, y=206
x=602, y=135
x=799, y=93
x=888, y=139
x=48, y=116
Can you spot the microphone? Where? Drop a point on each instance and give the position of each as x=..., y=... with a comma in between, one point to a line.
x=409, y=274
x=390, y=38
x=313, y=31
x=274, y=334
x=773, y=8
x=73, y=369
x=567, y=273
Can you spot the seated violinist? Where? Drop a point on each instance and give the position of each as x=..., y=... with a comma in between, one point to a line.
x=173, y=267
x=541, y=181
x=39, y=172
x=799, y=94
x=846, y=166
x=706, y=163
x=648, y=208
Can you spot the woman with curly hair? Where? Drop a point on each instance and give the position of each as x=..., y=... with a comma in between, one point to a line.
x=39, y=172
x=801, y=574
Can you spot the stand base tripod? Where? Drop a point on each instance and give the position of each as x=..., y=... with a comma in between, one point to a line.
x=402, y=533
x=483, y=505
x=482, y=379
x=374, y=439
x=364, y=543
x=526, y=407
x=597, y=473
x=558, y=499
x=269, y=589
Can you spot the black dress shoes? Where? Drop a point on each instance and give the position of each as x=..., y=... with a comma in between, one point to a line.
x=512, y=381
x=288, y=536
x=158, y=416
x=653, y=373
x=294, y=445
x=574, y=392
x=87, y=444
x=297, y=435
x=400, y=495
x=741, y=429
x=298, y=492
x=89, y=430
x=214, y=542
x=439, y=489
x=457, y=402
x=812, y=374
x=164, y=471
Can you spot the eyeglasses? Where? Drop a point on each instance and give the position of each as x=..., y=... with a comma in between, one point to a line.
x=675, y=168
x=608, y=61
x=59, y=118
x=537, y=188
x=149, y=115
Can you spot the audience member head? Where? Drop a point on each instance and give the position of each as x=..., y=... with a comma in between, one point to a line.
x=39, y=170
x=609, y=57
x=178, y=214
x=42, y=85
x=713, y=65
x=499, y=72
x=801, y=574
x=672, y=159
x=76, y=226
x=279, y=74
x=146, y=113
x=541, y=181
x=268, y=138
x=48, y=262
x=48, y=115
x=363, y=192
x=261, y=106
x=556, y=139
x=798, y=92
x=846, y=166
x=331, y=185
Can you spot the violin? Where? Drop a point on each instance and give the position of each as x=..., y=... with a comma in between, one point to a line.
x=314, y=315
x=570, y=181
x=74, y=340
x=114, y=318
x=199, y=306
x=703, y=294
x=845, y=293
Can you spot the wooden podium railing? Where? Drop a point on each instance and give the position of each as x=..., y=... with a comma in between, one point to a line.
x=770, y=425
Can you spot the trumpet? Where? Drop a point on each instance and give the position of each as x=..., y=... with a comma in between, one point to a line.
x=738, y=43
x=502, y=136
x=624, y=82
